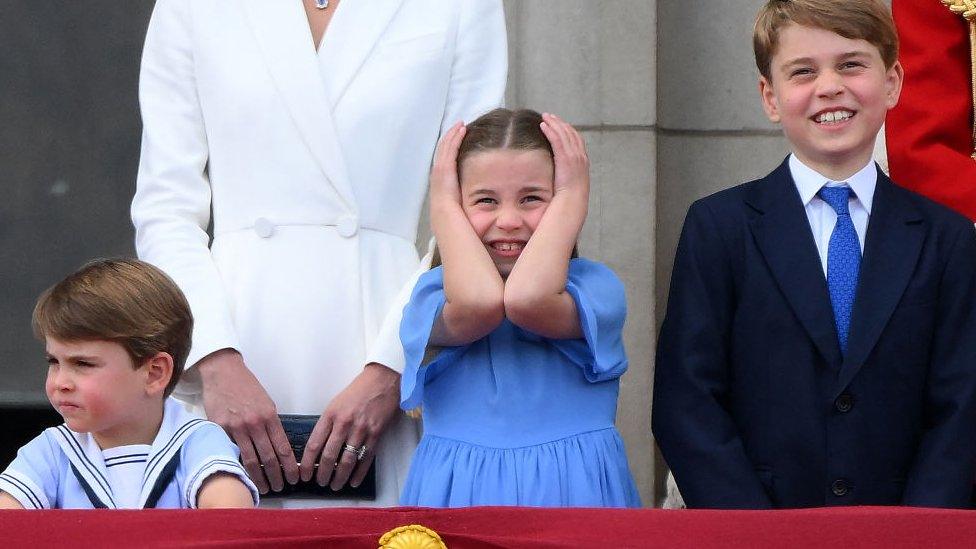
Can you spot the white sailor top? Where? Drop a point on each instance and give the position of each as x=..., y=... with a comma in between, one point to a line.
x=62, y=469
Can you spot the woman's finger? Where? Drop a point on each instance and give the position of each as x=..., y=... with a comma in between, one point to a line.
x=360, y=472
x=330, y=454
x=282, y=448
x=313, y=447
x=249, y=458
x=268, y=457
x=347, y=459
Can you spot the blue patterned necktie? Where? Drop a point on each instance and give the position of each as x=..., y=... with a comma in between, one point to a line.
x=843, y=261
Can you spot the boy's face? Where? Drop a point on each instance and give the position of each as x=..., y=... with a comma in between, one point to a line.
x=94, y=386
x=831, y=95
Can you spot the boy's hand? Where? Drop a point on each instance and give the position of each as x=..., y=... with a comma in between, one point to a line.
x=234, y=399
x=572, y=166
x=444, y=183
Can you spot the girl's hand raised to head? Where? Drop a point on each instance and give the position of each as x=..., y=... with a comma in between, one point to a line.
x=444, y=183
x=535, y=296
x=472, y=285
x=572, y=166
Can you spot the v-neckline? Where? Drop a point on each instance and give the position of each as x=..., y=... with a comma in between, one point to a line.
x=320, y=45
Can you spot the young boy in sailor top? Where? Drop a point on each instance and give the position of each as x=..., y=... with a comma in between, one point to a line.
x=117, y=333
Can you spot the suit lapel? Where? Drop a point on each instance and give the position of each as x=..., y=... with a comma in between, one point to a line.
x=891, y=251
x=783, y=235
x=281, y=32
x=354, y=30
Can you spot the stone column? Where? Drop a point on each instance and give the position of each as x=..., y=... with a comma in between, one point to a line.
x=712, y=132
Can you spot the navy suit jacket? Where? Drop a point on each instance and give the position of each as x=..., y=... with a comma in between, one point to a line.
x=754, y=405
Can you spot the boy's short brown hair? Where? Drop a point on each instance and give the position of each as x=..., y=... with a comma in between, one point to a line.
x=126, y=301
x=868, y=20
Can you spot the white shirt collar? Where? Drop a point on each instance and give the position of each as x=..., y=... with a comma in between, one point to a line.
x=808, y=182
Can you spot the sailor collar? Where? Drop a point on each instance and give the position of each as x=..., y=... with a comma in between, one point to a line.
x=88, y=465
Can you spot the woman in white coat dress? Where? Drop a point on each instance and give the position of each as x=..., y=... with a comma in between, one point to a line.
x=308, y=134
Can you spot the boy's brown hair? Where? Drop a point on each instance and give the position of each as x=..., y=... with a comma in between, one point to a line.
x=126, y=301
x=868, y=20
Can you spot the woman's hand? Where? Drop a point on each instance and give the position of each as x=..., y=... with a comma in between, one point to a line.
x=445, y=186
x=572, y=165
x=356, y=417
x=234, y=399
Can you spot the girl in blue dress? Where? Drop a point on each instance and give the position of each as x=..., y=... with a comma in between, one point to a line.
x=514, y=346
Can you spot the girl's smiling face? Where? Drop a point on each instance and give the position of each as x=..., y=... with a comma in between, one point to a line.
x=504, y=193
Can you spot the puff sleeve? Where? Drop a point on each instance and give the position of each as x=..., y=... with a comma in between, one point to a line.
x=419, y=315
x=602, y=307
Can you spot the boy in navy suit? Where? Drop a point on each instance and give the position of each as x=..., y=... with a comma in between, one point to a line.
x=819, y=344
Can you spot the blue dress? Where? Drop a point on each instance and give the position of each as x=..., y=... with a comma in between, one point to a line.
x=515, y=418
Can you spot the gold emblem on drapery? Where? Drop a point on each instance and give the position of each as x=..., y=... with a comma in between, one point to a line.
x=967, y=9
x=413, y=536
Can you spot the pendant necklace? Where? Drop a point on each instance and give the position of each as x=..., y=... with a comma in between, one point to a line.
x=321, y=4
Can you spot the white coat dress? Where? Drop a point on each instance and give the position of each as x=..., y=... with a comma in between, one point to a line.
x=314, y=165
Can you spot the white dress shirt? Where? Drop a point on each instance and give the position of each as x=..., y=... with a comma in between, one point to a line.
x=821, y=216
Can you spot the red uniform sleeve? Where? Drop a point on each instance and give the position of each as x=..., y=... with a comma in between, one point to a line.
x=929, y=134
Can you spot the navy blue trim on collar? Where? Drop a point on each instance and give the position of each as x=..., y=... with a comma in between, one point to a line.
x=96, y=502
x=162, y=481
x=80, y=452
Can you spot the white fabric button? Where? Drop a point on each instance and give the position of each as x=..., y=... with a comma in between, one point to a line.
x=263, y=227
x=347, y=226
